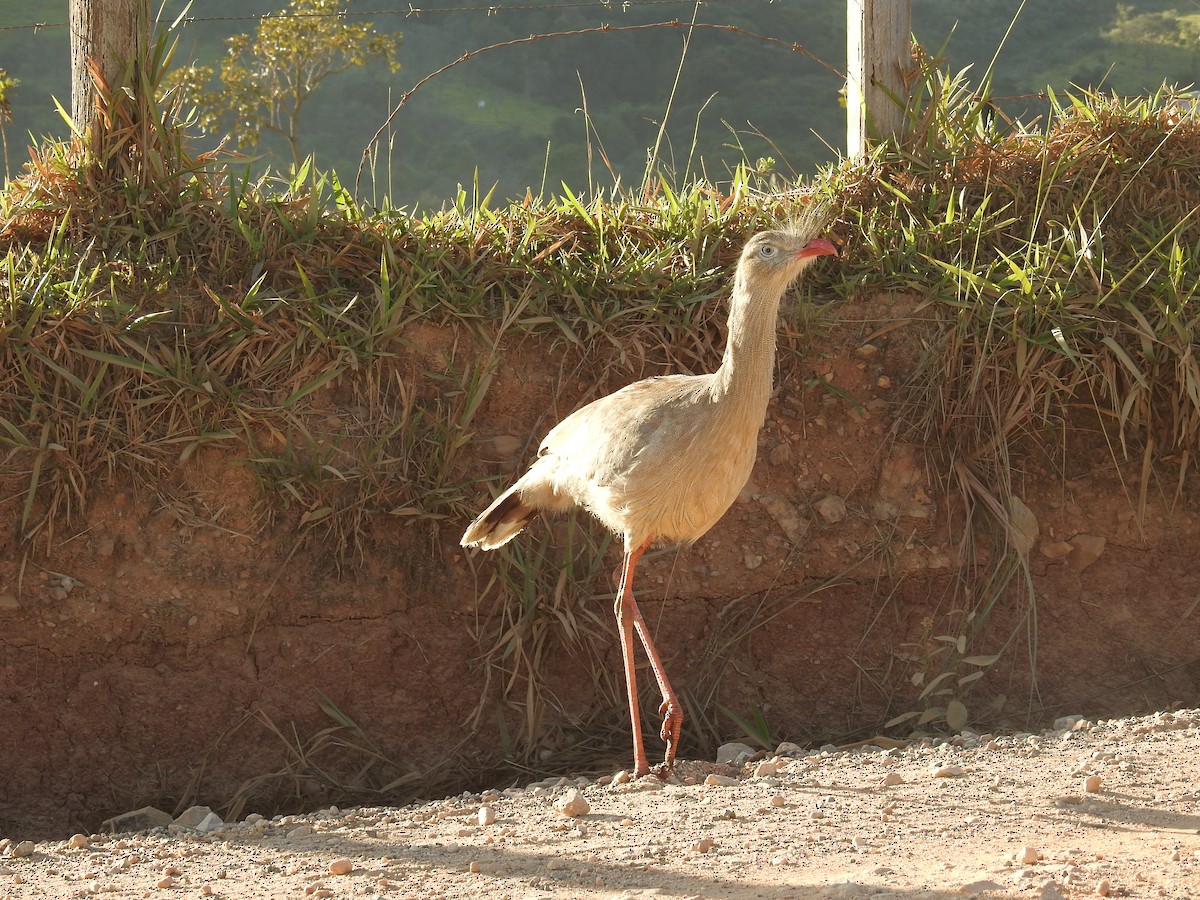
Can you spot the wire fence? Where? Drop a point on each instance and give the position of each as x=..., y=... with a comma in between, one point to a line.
x=408, y=10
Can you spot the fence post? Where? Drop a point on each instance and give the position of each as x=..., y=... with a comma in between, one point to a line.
x=110, y=33
x=877, y=51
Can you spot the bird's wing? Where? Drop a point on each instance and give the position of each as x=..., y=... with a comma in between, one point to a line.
x=601, y=442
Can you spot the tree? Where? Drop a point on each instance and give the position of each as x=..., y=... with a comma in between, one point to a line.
x=265, y=81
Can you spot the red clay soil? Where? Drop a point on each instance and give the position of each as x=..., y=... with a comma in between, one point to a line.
x=176, y=641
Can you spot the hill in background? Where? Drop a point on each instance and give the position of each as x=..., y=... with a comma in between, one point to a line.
x=514, y=115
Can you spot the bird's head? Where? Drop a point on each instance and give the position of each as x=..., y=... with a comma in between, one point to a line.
x=776, y=257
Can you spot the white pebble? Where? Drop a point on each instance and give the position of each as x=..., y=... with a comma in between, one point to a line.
x=77, y=841
x=767, y=767
x=720, y=780
x=951, y=771
x=573, y=803
x=486, y=815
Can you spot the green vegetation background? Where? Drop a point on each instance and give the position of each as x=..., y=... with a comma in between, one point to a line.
x=497, y=114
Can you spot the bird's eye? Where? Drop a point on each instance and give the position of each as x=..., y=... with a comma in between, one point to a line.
x=766, y=251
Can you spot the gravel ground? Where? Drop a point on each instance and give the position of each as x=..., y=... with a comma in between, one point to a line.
x=1108, y=808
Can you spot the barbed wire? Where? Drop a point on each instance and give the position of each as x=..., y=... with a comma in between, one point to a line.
x=410, y=11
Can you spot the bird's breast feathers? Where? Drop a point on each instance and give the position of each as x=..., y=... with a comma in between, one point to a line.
x=658, y=457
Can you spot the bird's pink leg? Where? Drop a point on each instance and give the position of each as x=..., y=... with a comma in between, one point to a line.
x=670, y=709
x=628, y=615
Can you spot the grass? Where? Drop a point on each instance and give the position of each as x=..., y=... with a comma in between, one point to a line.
x=157, y=304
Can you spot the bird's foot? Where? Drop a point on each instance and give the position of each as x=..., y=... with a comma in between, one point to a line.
x=672, y=722
x=664, y=770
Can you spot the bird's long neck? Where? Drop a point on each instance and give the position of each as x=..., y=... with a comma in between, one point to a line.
x=745, y=376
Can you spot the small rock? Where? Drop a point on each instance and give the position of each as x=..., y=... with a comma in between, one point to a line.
x=138, y=820
x=1085, y=550
x=21, y=849
x=950, y=771
x=573, y=803
x=891, y=779
x=767, y=768
x=210, y=823
x=866, y=351
x=486, y=815
x=78, y=841
x=167, y=882
x=787, y=748
x=1028, y=856
x=778, y=800
x=1092, y=783
x=703, y=845
x=622, y=777
x=199, y=818
x=786, y=516
x=1066, y=723
x=1104, y=887
x=831, y=508
x=1054, y=549
x=300, y=831
x=341, y=866
x=713, y=779
x=733, y=754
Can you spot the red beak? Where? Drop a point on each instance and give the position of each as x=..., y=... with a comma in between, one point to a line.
x=817, y=247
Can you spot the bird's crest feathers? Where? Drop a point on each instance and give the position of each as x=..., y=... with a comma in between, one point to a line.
x=809, y=222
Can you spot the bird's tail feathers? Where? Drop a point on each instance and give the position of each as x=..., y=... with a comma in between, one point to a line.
x=500, y=522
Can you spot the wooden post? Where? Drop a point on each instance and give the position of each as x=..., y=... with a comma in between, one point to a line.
x=110, y=32
x=878, y=50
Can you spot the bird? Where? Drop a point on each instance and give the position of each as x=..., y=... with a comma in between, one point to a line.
x=662, y=459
